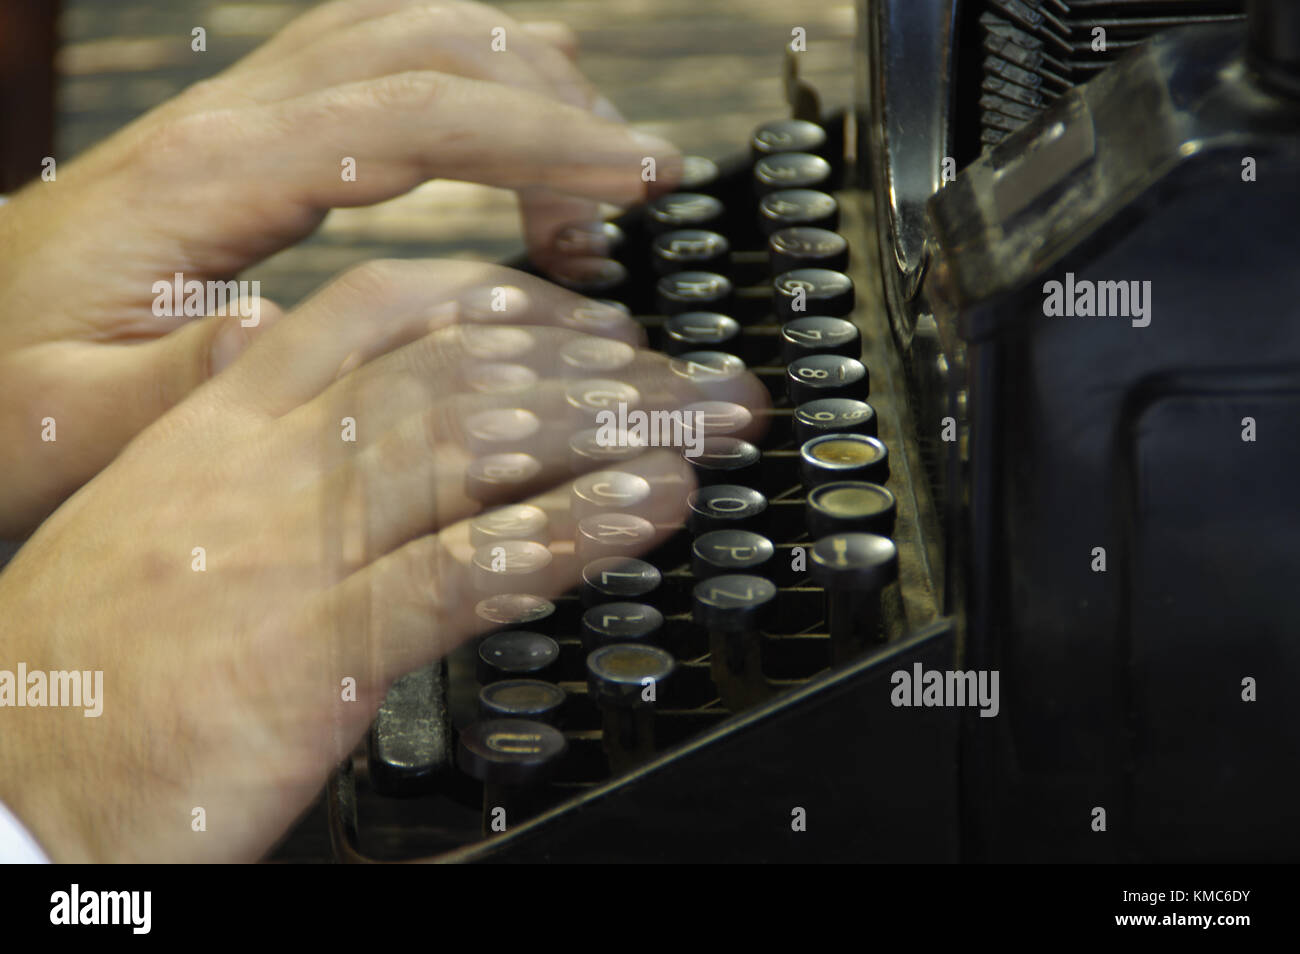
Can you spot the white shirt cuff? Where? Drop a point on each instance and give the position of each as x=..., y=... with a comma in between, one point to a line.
x=17, y=847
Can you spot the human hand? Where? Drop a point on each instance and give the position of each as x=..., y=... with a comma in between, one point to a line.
x=249, y=162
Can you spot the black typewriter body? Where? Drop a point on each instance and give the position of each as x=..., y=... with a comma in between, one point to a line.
x=1018, y=445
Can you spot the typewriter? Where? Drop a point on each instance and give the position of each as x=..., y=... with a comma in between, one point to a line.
x=1007, y=577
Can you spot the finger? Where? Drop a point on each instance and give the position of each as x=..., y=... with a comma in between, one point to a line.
x=407, y=128
x=418, y=602
x=384, y=305
x=557, y=34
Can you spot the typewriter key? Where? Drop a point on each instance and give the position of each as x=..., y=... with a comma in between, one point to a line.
x=723, y=507
x=825, y=376
x=511, y=522
x=790, y=170
x=613, y=534
x=850, y=506
x=790, y=207
x=787, y=135
x=604, y=280
x=512, y=566
x=500, y=377
x=837, y=457
x=701, y=331
x=819, y=334
x=497, y=478
x=683, y=210
x=698, y=175
x=593, y=354
x=717, y=418
x=510, y=756
x=590, y=396
x=624, y=680
x=606, y=491
x=720, y=552
x=515, y=611
x=695, y=250
x=833, y=416
x=591, y=240
x=812, y=291
x=591, y=447
x=516, y=654
x=620, y=623
x=730, y=608
x=708, y=369
x=692, y=291
x=521, y=699
x=618, y=579
x=854, y=568
x=724, y=460
x=500, y=429
x=802, y=246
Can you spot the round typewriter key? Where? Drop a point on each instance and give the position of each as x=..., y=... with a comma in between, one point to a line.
x=683, y=210
x=500, y=429
x=812, y=291
x=512, y=522
x=692, y=291
x=720, y=552
x=826, y=376
x=605, y=491
x=695, y=250
x=593, y=447
x=724, y=460
x=619, y=579
x=618, y=677
x=802, y=246
x=512, y=566
x=698, y=174
x=521, y=699
x=833, y=416
x=613, y=534
x=700, y=331
x=790, y=207
x=590, y=396
x=854, y=568
x=603, y=280
x=620, y=623
x=500, y=377
x=716, y=418
x=591, y=353
x=731, y=608
x=708, y=369
x=515, y=611
x=819, y=334
x=510, y=751
x=516, y=654
x=791, y=170
x=724, y=506
x=788, y=135
x=496, y=478
x=618, y=673
x=496, y=344
x=590, y=240
x=834, y=457
x=850, y=506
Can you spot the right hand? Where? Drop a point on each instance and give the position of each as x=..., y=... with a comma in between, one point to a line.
x=324, y=560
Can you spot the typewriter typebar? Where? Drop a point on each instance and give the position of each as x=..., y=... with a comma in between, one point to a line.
x=726, y=695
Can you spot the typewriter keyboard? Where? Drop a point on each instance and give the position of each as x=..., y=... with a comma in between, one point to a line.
x=800, y=550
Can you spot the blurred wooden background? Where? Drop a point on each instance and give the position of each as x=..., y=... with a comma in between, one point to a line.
x=701, y=73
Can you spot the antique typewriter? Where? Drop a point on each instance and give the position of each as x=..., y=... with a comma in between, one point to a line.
x=954, y=484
